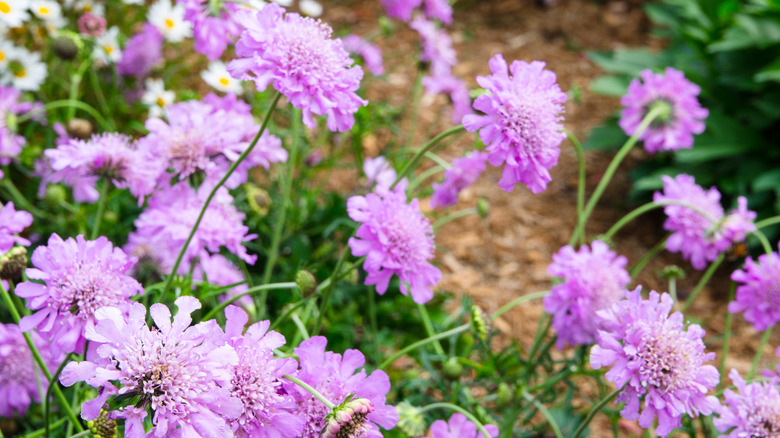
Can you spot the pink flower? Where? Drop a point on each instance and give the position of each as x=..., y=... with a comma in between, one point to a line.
x=758, y=295
x=754, y=411
x=460, y=427
x=464, y=172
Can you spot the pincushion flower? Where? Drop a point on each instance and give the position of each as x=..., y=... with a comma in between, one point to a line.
x=438, y=10
x=335, y=377
x=214, y=25
x=758, y=295
x=682, y=114
x=459, y=426
x=455, y=89
x=464, y=172
x=436, y=47
x=12, y=222
x=700, y=239
x=79, y=277
x=754, y=411
x=594, y=279
x=521, y=123
x=91, y=24
x=401, y=9
x=178, y=371
x=371, y=54
x=397, y=239
x=20, y=375
x=379, y=171
x=655, y=361
x=142, y=52
x=300, y=59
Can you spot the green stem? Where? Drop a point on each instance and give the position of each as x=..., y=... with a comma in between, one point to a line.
x=75, y=84
x=426, y=318
x=517, y=301
x=100, y=208
x=726, y=335
x=455, y=216
x=250, y=291
x=420, y=153
x=550, y=420
x=411, y=347
x=651, y=206
x=39, y=360
x=416, y=100
x=456, y=408
x=82, y=434
x=311, y=390
x=424, y=176
x=580, y=187
x=593, y=412
x=52, y=384
x=328, y=287
x=216, y=187
x=704, y=279
x=287, y=313
x=673, y=292
x=101, y=98
x=760, y=352
x=20, y=200
x=612, y=168
x=764, y=241
x=768, y=221
x=67, y=103
x=637, y=268
x=41, y=432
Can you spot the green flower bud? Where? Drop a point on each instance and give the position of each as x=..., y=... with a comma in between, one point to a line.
x=452, y=368
x=259, y=199
x=65, y=48
x=55, y=194
x=672, y=272
x=504, y=394
x=480, y=323
x=103, y=426
x=483, y=208
x=410, y=419
x=306, y=282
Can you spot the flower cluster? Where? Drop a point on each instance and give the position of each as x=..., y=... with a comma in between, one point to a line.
x=655, y=359
x=141, y=53
x=464, y=172
x=214, y=25
x=752, y=412
x=12, y=222
x=459, y=426
x=758, y=295
x=698, y=237
x=521, y=121
x=371, y=54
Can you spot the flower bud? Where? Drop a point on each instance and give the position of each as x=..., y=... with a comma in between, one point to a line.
x=259, y=199
x=55, y=194
x=306, y=282
x=410, y=419
x=452, y=368
x=504, y=394
x=480, y=322
x=483, y=208
x=672, y=272
x=65, y=48
x=79, y=128
x=348, y=419
x=103, y=426
x=12, y=263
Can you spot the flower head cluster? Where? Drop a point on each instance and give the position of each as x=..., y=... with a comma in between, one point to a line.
x=453, y=87
x=335, y=378
x=521, y=121
x=180, y=372
x=754, y=411
x=298, y=56
x=758, y=295
x=464, y=172
x=594, y=279
x=437, y=46
x=371, y=54
x=11, y=143
x=19, y=376
x=400, y=9
x=91, y=24
x=379, y=171
x=655, y=359
x=701, y=238
x=459, y=426
x=12, y=222
x=141, y=53
x=349, y=419
x=214, y=25
x=681, y=115
x=79, y=277
x=397, y=240
x=112, y=156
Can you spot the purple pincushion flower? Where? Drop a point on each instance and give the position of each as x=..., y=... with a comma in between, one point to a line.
x=436, y=47
x=459, y=426
x=178, y=371
x=754, y=411
x=298, y=56
x=655, y=359
x=141, y=53
x=335, y=377
x=453, y=87
x=79, y=277
x=438, y=10
x=595, y=279
x=20, y=375
x=379, y=171
x=371, y=54
x=12, y=222
x=401, y=9
x=397, y=240
x=214, y=25
x=683, y=116
x=758, y=295
x=521, y=124
x=699, y=238
x=464, y=172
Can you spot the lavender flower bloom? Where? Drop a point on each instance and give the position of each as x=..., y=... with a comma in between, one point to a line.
x=13, y=221
x=298, y=55
x=521, y=125
x=453, y=87
x=759, y=294
x=371, y=54
x=379, y=171
x=335, y=378
x=437, y=47
x=464, y=172
x=459, y=427
x=401, y=9
x=91, y=25
x=696, y=236
x=255, y=380
x=753, y=412
x=212, y=29
x=20, y=376
x=79, y=277
x=112, y=156
x=683, y=115
x=654, y=358
x=181, y=372
x=595, y=279
x=438, y=10
x=141, y=53
x=397, y=240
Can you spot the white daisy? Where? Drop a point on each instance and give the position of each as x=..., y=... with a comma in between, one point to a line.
x=156, y=97
x=218, y=77
x=312, y=8
x=13, y=12
x=285, y=3
x=48, y=11
x=24, y=70
x=107, y=48
x=6, y=48
x=169, y=20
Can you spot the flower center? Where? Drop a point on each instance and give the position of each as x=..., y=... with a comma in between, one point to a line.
x=5, y=7
x=85, y=288
x=43, y=10
x=2, y=55
x=257, y=390
x=667, y=360
x=16, y=365
x=169, y=23
x=224, y=81
x=408, y=234
x=160, y=102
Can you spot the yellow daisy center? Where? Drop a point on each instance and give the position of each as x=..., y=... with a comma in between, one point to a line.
x=43, y=10
x=224, y=81
x=108, y=49
x=160, y=102
x=20, y=73
x=5, y=7
x=169, y=23
x=2, y=56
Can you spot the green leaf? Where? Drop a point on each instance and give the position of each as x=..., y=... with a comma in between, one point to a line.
x=769, y=73
x=749, y=31
x=767, y=181
x=607, y=136
x=609, y=85
x=707, y=151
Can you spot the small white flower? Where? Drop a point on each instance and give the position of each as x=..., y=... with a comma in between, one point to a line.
x=6, y=48
x=218, y=77
x=285, y=3
x=13, y=12
x=156, y=97
x=23, y=70
x=169, y=20
x=107, y=48
x=50, y=12
x=312, y=8
x=84, y=6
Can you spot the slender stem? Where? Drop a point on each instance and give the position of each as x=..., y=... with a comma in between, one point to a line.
x=101, y=98
x=456, y=408
x=424, y=176
x=704, y=279
x=760, y=352
x=517, y=301
x=214, y=191
x=438, y=160
x=75, y=84
x=580, y=187
x=287, y=313
x=82, y=434
x=673, y=292
x=726, y=335
x=20, y=200
x=455, y=216
x=426, y=318
x=331, y=282
x=311, y=390
x=764, y=241
x=420, y=153
x=301, y=327
x=768, y=221
x=550, y=420
x=544, y=326
x=250, y=291
x=41, y=432
x=593, y=412
x=651, y=206
x=637, y=268
x=100, y=208
x=39, y=360
x=411, y=347
x=52, y=383
x=67, y=103
x=613, y=165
